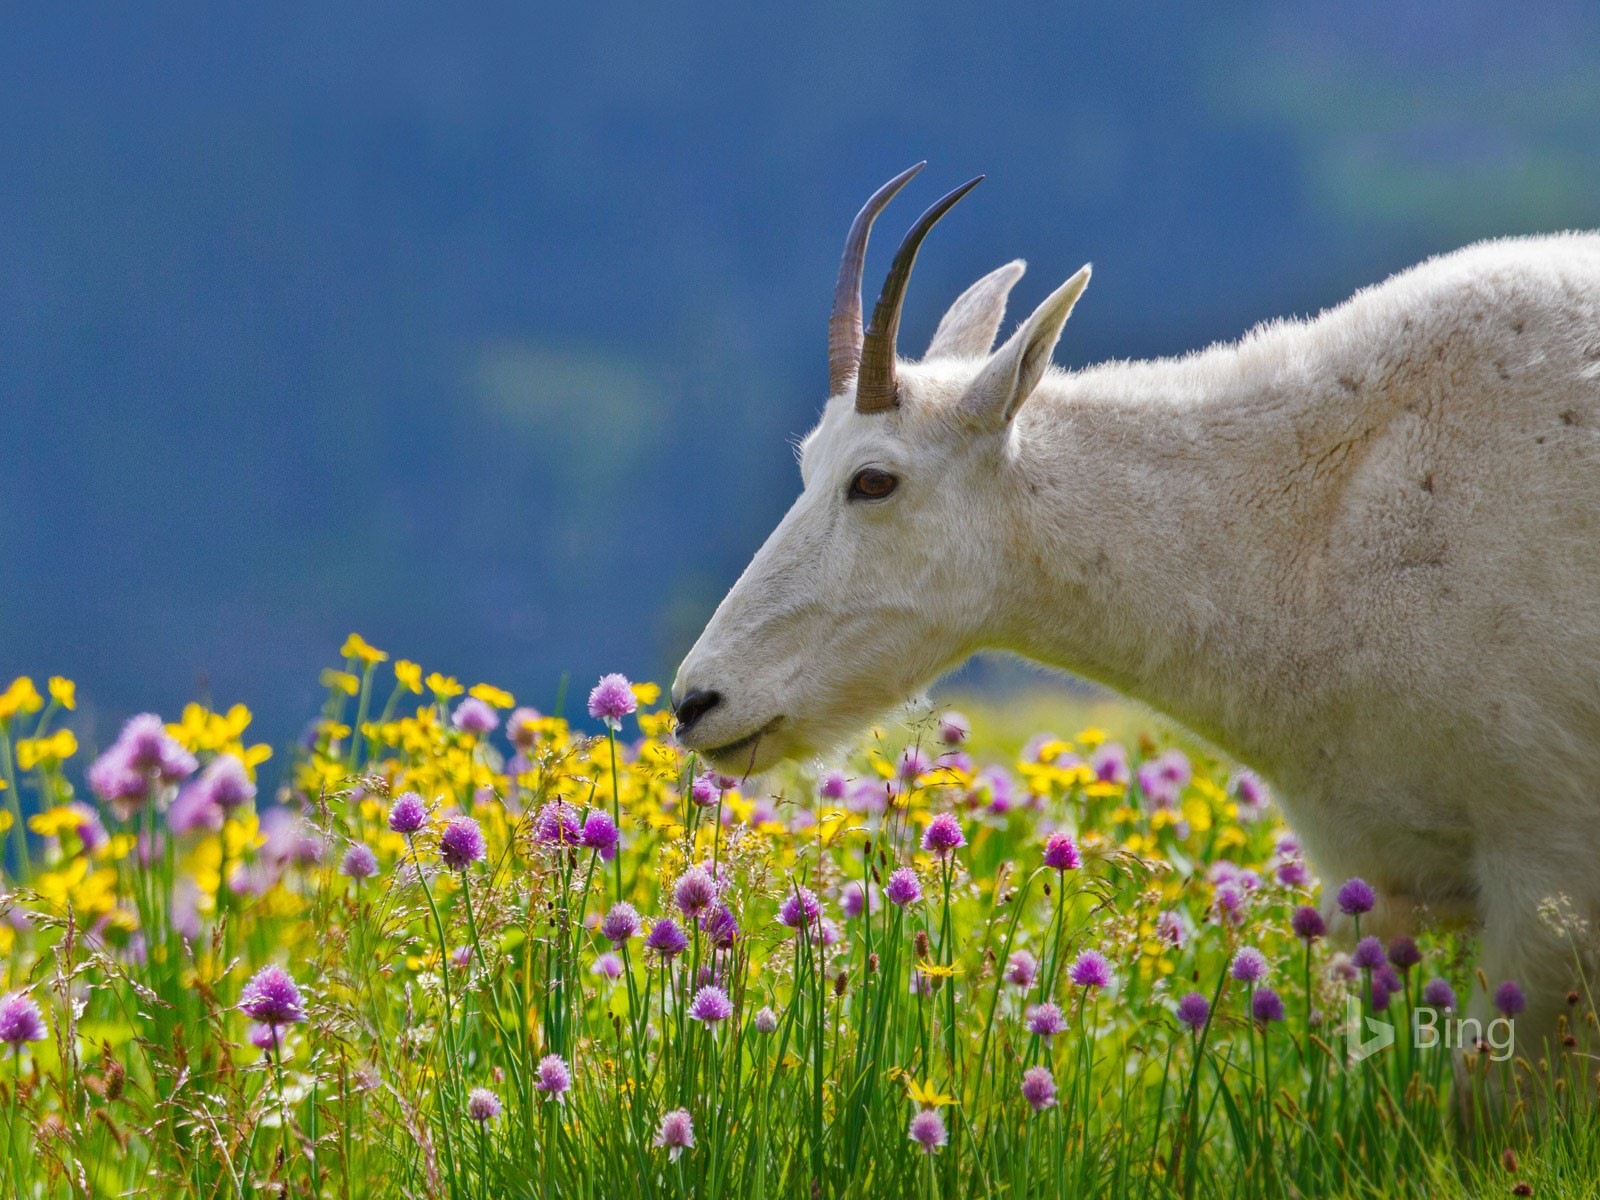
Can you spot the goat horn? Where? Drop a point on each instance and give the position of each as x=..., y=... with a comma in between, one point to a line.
x=876, y=388
x=844, y=327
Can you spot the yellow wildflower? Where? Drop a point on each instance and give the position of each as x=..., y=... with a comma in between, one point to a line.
x=20, y=697
x=46, y=751
x=341, y=681
x=356, y=646
x=647, y=693
x=491, y=695
x=64, y=692
x=443, y=687
x=64, y=817
x=1090, y=737
x=408, y=675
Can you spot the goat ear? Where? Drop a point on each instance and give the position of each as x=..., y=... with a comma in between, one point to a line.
x=968, y=329
x=1008, y=379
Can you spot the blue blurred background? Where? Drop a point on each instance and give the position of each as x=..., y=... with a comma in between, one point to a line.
x=483, y=330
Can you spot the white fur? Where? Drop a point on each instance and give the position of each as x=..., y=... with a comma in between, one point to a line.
x=1359, y=553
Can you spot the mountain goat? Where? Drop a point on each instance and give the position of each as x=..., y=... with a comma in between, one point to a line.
x=1360, y=553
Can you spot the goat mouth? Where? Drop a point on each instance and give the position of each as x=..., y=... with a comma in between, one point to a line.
x=747, y=742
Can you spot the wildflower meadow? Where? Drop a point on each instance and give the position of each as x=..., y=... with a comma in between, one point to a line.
x=469, y=948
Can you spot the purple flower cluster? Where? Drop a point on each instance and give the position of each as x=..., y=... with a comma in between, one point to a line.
x=461, y=844
x=927, y=1130
x=696, y=891
x=1038, y=1088
x=20, y=1020
x=482, y=1105
x=359, y=862
x=710, y=1005
x=1194, y=1010
x=1091, y=970
x=666, y=938
x=611, y=700
x=676, y=1133
x=943, y=836
x=407, y=814
x=272, y=998
x=554, y=1077
x=799, y=908
x=1356, y=897
x=903, y=888
x=474, y=716
x=600, y=835
x=143, y=756
x=620, y=924
x=1061, y=852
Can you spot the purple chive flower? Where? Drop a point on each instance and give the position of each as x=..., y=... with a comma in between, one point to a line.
x=1110, y=763
x=225, y=783
x=856, y=899
x=913, y=764
x=710, y=1005
x=408, y=814
x=1248, y=966
x=1170, y=928
x=1356, y=897
x=800, y=907
x=1045, y=1020
x=20, y=1020
x=1039, y=1088
x=482, y=1105
x=666, y=939
x=1251, y=794
x=151, y=750
x=676, y=1133
x=834, y=785
x=1061, y=852
x=954, y=728
x=1194, y=1010
x=1308, y=924
x=903, y=888
x=927, y=1130
x=359, y=862
x=600, y=834
x=1022, y=969
x=270, y=1040
x=554, y=1077
x=704, y=791
x=943, y=836
x=116, y=783
x=1368, y=955
x=1385, y=984
x=696, y=891
x=272, y=998
x=1403, y=953
x=1508, y=998
x=461, y=844
x=620, y=924
x=557, y=824
x=1439, y=994
x=1230, y=904
x=1293, y=873
x=611, y=700
x=474, y=716
x=1090, y=969
x=1266, y=1005
x=721, y=926
x=607, y=966
x=766, y=1021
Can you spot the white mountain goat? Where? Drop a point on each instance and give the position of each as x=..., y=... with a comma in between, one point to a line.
x=1359, y=553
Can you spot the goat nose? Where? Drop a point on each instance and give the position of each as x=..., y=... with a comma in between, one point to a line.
x=694, y=706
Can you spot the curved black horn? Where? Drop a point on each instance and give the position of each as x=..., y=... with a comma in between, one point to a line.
x=876, y=387
x=844, y=326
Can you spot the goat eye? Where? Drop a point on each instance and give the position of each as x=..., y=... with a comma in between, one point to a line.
x=872, y=484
